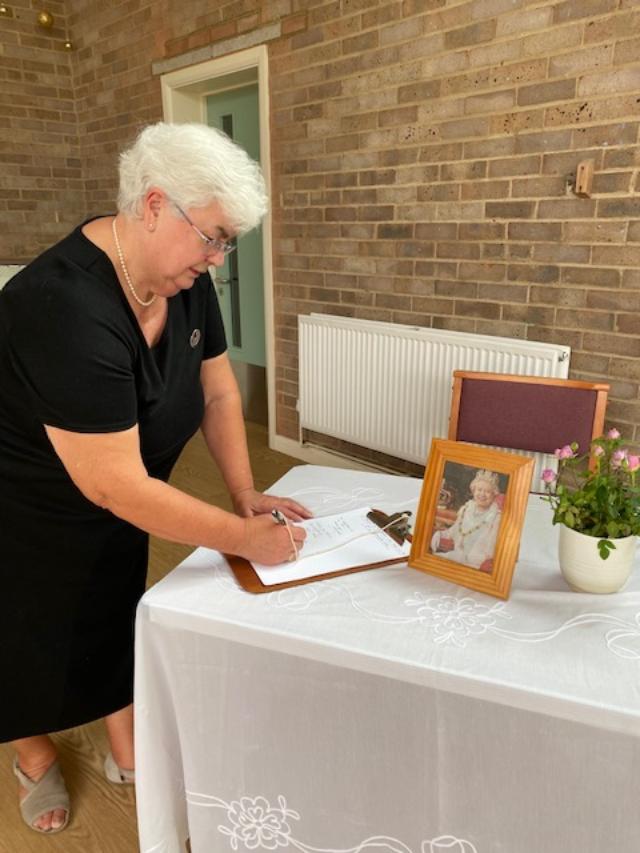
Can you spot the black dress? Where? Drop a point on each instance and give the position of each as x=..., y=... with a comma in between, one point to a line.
x=72, y=355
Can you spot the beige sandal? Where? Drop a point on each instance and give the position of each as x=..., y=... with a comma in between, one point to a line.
x=45, y=795
x=116, y=774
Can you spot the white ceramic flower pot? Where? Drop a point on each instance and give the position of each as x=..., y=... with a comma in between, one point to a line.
x=583, y=568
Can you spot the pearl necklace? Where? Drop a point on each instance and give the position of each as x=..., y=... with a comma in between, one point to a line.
x=126, y=271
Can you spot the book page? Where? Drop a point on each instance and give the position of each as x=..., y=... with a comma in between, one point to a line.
x=336, y=542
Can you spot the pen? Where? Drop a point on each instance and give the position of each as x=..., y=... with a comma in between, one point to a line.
x=279, y=518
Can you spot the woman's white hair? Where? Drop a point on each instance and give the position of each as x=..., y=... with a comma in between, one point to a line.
x=194, y=165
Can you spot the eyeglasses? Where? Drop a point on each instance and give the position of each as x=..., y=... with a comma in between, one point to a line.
x=212, y=243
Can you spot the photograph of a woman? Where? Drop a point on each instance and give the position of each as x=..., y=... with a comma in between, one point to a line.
x=466, y=530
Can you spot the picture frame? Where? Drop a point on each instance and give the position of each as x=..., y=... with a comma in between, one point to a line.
x=470, y=515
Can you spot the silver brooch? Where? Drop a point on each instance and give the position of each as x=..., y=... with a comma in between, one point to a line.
x=194, y=340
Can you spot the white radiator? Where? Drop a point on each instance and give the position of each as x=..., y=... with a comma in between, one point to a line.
x=387, y=387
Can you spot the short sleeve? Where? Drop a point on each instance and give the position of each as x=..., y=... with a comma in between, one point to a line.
x=215, y=340
x=72, y=354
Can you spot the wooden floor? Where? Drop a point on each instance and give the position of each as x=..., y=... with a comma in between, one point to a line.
x=103, y=816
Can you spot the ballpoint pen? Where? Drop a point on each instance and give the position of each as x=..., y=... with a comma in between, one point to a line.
x=279, y=518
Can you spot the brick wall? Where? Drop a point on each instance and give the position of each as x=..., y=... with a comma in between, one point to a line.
x=41, y=189
x=424, y=154
x=115, y=91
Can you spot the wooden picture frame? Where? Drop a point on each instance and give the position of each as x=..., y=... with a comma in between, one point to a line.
x=470, y=515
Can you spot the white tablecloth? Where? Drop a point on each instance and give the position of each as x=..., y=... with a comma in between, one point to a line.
x=387, y=709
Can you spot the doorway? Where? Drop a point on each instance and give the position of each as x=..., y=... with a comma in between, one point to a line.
x=231, y=93
x=240, y=281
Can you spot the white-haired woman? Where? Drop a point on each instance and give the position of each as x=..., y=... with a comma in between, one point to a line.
x=471, y=539
x=112, y=354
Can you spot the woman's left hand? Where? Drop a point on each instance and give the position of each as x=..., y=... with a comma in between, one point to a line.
x=250, y=502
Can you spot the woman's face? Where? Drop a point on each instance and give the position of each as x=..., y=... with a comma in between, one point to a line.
x=183, y=255
x=483, y=494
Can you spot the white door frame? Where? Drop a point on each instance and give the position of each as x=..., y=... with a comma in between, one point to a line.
x=184, y=94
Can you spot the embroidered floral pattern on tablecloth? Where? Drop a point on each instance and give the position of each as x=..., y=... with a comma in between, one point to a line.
x=254, y=823
x=454, y=620
x=448, y=619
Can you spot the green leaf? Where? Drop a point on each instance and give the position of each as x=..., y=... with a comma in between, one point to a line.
x=605, y=546
x=613, y=529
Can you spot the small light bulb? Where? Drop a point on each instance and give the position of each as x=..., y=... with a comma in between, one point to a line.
x=45, y=20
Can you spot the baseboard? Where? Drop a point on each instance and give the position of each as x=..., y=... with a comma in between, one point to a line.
x=316, y=456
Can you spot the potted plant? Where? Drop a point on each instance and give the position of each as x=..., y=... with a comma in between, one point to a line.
x=598, y=509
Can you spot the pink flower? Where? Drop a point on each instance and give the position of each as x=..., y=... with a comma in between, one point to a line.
x=618, y=457
x=613, y=433
x=598, y=451
x=549, y=476
x=564, y=452
x=633, y=463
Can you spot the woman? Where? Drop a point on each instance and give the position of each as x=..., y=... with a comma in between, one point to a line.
x=471, y=539
x=112, y=354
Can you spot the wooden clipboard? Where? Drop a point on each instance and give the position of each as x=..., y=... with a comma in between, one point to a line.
x=248, y=579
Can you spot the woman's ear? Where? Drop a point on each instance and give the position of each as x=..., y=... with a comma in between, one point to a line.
x=152, y=205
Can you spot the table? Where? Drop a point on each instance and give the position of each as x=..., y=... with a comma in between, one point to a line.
x=387, y=709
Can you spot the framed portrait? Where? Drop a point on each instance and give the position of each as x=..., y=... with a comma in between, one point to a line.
x=470, y=515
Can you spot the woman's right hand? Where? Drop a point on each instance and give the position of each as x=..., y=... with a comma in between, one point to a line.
x=268, y=542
